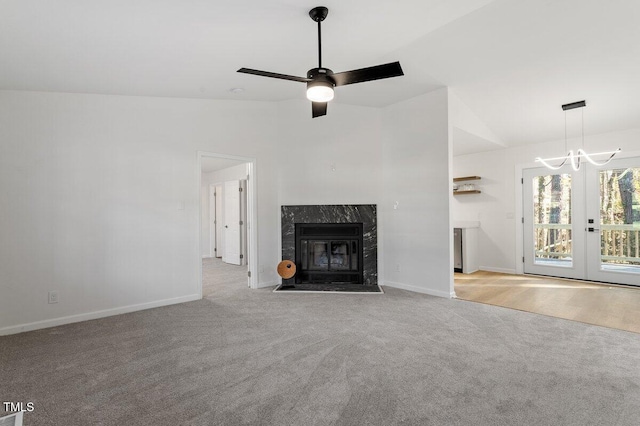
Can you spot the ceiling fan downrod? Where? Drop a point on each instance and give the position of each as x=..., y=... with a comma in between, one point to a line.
x=318, y=14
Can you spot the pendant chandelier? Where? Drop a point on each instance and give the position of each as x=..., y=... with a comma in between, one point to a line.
x=575, y=159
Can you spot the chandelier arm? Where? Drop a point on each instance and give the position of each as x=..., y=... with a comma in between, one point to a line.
x=575, y=160
x=549, y=166
x=582, y=153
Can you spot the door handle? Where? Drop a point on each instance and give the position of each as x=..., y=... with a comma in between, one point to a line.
x=593, y=229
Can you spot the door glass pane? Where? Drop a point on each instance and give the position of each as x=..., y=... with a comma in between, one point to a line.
x=304, y=251
x=318, y=258
x=620, y=219
x=552, y=220
x=340, y=256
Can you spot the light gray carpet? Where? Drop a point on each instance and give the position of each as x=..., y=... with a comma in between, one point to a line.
x=253, y=357
x=217, y=275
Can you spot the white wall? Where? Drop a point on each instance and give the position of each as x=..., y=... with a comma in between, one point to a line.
x=99, y=199
x=358, y=155
x=238, y=172
x=462, y=117
x=497, y=206
x=418, y=234
x=99, y=195
x=334, y=159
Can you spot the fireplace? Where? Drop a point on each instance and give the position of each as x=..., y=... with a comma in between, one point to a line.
x=329, y=253
x=331, y=243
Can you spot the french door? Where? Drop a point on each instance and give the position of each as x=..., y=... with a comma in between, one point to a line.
x=584, y=224
x=554, y=237
x=613, y=222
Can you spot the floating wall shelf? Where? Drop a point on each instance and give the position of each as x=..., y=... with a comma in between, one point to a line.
x=467, y=178
x=462, y=179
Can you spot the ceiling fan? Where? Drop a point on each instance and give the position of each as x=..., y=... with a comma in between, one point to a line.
x=321, y=81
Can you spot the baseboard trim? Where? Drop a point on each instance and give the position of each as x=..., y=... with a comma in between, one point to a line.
x=37, y=325
x=498, y=270
x=416, y=289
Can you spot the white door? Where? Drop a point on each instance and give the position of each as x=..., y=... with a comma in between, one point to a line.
x=613, y=222
x=212, y=221
x=219, y=226
x=232, y=235
x=554, y=235
x=244, y=247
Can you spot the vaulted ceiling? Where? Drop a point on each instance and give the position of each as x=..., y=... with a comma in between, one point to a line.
x=512, y=62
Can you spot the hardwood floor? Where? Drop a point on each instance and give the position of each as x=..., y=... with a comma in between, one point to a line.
x=600, y=304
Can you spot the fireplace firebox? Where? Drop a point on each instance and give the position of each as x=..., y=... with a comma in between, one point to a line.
x=329, y=253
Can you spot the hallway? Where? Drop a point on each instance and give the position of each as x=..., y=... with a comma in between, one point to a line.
x=219, y=277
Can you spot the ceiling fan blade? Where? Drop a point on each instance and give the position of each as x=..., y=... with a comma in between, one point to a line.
x=378, y=72
x=318, y=109
x=274, y=75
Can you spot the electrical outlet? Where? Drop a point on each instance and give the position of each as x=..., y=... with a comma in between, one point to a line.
x=53, y=297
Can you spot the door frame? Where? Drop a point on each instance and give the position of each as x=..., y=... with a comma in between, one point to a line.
x=252, y=214
x=519, y=214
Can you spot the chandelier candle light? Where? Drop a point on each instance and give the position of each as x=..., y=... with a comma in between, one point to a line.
x=575, y=158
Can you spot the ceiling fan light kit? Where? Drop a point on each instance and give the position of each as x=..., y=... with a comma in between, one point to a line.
x=320, y=91
x=575, y=159
x=322, y=81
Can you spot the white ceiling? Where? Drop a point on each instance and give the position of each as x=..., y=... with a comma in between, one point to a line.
x=513, y=62
x=469, y=143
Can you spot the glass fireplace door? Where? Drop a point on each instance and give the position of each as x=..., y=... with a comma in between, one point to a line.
x=329, y=253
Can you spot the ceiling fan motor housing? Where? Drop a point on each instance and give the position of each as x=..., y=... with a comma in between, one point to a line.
x=320, y=74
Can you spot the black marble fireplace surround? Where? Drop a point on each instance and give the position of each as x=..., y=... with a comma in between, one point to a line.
x=350, y=232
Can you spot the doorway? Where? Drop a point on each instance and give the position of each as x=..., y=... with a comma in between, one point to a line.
x=228, y=209
x=583, y=224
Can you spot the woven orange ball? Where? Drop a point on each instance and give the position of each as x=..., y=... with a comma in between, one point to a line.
x=286, y=269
